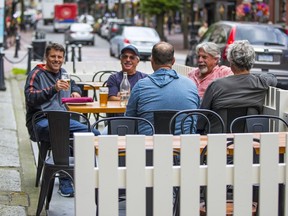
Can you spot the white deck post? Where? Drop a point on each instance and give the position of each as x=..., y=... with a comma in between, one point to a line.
x=84, y=174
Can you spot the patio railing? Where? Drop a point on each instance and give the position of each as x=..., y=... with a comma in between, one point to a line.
x=163, y=176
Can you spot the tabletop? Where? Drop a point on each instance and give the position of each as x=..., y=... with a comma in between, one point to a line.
x=203, y=141
x=94, y=107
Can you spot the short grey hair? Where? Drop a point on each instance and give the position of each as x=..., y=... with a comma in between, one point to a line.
x=241, y=54
x=210, y=48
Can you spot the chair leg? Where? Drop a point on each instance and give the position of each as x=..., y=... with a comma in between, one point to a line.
x=96, y=201
x=49, y=192
x=43, y=192
x=43, y=150
x=176, y=206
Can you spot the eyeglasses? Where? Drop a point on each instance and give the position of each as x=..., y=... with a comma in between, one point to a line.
x=132, y=57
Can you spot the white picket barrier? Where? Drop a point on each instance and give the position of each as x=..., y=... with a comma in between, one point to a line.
x=108, y=177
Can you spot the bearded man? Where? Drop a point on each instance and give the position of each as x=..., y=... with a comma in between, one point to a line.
x=208, y=58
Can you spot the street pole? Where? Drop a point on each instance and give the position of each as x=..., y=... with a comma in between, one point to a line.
x=2, y=17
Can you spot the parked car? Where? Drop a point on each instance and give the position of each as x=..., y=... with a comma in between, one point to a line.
x=80, y=33
x=269, y=41
x=85, y=18
x=105, y=26
x=114, y=28
x=143, y=38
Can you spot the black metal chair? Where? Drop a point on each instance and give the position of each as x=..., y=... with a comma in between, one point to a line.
x=59, y=163
x=188, y=121
x=81, y=85
x=257, y=123
x=160, y=119
x=43, y=148
x=229, y=114
x=260, y=123
x=185, y=121
x=75, y=77
x=102, y=75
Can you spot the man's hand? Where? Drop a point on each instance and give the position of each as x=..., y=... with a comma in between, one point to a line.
x=75, y=95
x=62, y=85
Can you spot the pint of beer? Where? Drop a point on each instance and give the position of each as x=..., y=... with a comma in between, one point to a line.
x=103, y=95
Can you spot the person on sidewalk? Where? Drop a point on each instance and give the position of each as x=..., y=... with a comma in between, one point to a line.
x=164, y=89
x=44, y=90
x=202, y=30
x=208, y=55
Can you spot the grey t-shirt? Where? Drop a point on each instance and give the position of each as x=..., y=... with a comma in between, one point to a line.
x=236, y=91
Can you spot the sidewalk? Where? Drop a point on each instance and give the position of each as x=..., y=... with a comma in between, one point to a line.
x=18, y=194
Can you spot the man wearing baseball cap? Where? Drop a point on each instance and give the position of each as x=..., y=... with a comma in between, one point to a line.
x=129, y=60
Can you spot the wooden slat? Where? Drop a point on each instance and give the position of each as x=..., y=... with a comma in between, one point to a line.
x=190, y=175
x=243, y=159
x=269, y=155
x=216, y=189
x=135, y=162
x=108, y=175
x=84, y=177
x=163, y=176
x=286, y=180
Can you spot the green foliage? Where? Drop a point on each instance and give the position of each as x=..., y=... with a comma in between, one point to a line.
x=156, y=7
x=17, y=71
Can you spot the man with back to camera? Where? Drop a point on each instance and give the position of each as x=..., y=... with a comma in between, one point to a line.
x=44, y=90
x=164, y=89
x=208, y=58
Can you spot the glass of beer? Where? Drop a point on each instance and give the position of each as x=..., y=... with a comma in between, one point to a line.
x=66, y=77
x=103, y=95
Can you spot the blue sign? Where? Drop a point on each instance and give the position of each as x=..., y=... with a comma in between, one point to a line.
x=2, y=17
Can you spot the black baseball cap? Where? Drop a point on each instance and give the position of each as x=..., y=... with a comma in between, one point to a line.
x=131, y=48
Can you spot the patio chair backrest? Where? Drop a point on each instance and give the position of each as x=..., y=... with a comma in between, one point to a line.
x=196, y=121
x=258, y=123
x=160, y=119
x=123, y=125
x=102, y=75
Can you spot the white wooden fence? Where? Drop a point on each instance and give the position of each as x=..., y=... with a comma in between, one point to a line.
x=108, y=177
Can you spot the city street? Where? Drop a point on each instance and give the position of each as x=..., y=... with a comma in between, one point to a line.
x=101, y=49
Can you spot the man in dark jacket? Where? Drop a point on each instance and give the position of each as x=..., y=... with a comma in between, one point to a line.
x=44, y=90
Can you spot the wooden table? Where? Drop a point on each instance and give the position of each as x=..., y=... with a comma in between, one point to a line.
x=203, y=141
x=94, y=107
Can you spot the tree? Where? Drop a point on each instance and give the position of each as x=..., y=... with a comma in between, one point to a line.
x=159, y=8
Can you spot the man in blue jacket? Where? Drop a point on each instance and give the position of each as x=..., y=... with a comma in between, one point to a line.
x=164, y=89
